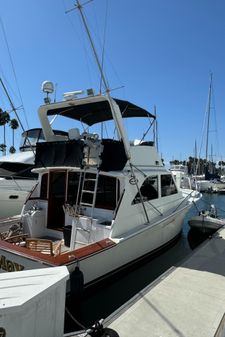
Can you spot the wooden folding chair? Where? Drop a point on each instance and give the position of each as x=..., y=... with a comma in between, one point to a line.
x=40, y=245
x=44, y=246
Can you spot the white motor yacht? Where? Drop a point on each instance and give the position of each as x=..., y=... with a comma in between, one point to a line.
x=100, y=203
x=16, y=178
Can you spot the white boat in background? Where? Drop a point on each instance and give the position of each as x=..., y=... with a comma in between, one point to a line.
x=206, y=221
x=210, y=185
x=180, y=173
x=16, y=178
x=210, y=182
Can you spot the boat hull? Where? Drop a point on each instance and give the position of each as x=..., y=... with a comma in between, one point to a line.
x=13, y=196
x=97, y=265
x=206, y=223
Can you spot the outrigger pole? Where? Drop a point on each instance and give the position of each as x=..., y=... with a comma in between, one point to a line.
x=116, y=113
x=114, y=108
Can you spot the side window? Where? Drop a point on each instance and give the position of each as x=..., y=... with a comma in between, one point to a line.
x=168, y=186
x=149, y=190
x=107, y=193
x=44, y=186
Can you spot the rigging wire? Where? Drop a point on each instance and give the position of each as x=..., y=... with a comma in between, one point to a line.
x=83, y=43
x=13, y=67
x=209, y=108
x=203, y=134
x=104, y=41
x=213, y=107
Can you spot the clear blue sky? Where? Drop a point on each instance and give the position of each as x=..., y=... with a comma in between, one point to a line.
x=160, y=51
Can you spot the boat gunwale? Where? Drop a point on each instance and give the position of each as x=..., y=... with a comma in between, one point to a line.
x=61, y=259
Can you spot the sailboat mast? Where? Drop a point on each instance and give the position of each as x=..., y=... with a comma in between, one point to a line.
x=155, y=130
x=116, y=115
x=14, y=110
x=11, y=103
x=208, y=117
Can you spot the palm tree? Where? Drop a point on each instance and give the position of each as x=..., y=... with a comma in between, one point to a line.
x=4, y=119
x=14, y=125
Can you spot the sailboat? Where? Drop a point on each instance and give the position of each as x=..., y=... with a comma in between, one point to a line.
x=210, y=182
x=100, y=204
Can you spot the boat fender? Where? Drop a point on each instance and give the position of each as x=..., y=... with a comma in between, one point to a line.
x=97, y=330
x=76, y=283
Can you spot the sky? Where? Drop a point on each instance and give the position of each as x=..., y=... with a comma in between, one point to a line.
x=157, y=53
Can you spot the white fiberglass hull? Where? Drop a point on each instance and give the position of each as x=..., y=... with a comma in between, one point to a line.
x=206, y=223
x=207, y=185
x=126, y=250
x=13, y=195
x=132, y=248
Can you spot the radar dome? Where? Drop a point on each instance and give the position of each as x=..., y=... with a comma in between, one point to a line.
x=47, y=87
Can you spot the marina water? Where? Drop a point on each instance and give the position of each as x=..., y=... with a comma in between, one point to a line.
x=102, y=301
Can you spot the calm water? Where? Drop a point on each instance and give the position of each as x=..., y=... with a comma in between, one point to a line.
x=105, y=300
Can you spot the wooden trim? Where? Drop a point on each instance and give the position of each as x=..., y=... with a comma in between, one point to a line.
x=62, y=259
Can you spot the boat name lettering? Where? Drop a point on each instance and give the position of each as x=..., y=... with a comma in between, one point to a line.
x=9, y=265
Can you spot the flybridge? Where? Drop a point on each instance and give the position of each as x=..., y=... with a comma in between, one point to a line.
x=89, y=109
x=96, y=109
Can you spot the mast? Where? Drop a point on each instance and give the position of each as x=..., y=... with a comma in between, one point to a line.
x=14, y=110
x=208, y=117
x=11, y=103
x=116, y=113
x=114, y=108
x=195, y=162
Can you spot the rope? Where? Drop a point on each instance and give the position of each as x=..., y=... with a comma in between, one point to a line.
x=75, y=320
x=219, y=209
x=194, y=203
x=187, y=197
x=95, y=330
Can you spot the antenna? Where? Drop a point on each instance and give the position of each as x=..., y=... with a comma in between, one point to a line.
x=116, y=114
x=48, y=88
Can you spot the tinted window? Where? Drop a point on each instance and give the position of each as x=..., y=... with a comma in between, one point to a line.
x=149, y=190
x=73, y=181
x=44, y=186
x=107, y=193
x=107, y=190
x=168, y=186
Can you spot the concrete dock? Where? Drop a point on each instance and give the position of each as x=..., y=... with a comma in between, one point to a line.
x=186, y=301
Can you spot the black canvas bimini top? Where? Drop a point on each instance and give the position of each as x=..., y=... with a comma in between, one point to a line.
x=92, y=113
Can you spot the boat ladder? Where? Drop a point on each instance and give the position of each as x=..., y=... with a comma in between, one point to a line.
x=88, y=185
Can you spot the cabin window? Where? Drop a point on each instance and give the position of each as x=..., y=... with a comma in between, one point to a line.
x=107, y=192
x=73, y=182
x=168, y=186
x=44, y=186
x=149, y=190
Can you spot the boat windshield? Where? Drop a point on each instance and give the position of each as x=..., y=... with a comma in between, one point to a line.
x=31, y=137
